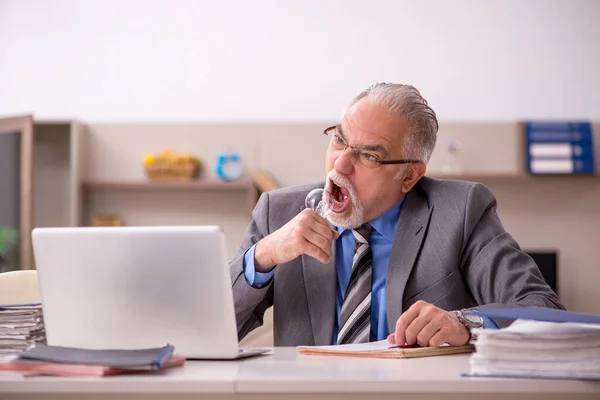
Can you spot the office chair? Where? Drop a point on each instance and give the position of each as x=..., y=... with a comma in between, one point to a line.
x=18, y=287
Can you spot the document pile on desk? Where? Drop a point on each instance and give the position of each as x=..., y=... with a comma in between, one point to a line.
x=21, y=325
x=71, y=361
x=538, y=349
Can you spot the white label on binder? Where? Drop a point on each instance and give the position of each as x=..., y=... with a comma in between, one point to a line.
x=551, y=166
x=551, y=150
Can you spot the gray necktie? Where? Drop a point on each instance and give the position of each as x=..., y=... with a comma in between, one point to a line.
x=355, y=316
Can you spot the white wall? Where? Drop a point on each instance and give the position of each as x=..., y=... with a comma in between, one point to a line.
x=269, y=60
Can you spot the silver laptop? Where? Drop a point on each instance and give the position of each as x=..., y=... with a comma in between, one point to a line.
x=137, y=287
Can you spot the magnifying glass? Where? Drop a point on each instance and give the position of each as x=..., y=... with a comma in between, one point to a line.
x=319, y=200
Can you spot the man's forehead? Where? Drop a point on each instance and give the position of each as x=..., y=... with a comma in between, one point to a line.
x=373, y=129
x=370, y=118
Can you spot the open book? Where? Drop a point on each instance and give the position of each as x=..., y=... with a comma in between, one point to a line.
x=383, y=349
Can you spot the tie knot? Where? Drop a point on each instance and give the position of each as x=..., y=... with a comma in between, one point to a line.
x=361, y=234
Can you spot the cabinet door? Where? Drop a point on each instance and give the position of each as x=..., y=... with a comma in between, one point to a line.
x=16, y=192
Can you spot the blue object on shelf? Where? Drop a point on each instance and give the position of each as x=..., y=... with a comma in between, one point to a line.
x=228, y=166
x=559, y=148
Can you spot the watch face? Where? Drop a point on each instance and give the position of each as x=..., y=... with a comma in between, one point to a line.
x=472, y=318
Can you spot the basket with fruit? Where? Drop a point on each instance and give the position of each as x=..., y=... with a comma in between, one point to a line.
x=169, y=166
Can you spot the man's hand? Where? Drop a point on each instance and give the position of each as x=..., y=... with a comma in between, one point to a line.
x=428, y=325
x=308, y=233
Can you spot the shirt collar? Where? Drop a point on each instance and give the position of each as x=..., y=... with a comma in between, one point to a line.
x=386, y=223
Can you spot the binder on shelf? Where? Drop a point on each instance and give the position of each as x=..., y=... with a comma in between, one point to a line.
x=565, y=148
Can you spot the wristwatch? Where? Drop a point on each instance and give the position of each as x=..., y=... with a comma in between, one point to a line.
x=469, y=319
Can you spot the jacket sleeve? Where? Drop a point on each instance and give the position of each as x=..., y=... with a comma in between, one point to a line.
x=497, y=271
x=251, y=303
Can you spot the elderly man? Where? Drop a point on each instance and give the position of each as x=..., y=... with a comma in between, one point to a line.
x=399, y=255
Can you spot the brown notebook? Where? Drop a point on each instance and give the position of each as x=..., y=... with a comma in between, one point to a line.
x=382, y=349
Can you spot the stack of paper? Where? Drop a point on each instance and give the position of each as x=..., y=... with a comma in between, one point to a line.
x=538, y=349
x=21, y=325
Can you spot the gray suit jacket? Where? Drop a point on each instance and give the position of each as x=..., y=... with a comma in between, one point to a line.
x=450, y=249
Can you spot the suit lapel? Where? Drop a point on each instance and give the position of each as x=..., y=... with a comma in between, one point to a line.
x=410, y=232
x=319, y=281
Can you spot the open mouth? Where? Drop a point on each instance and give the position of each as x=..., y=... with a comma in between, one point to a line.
x=339, y=197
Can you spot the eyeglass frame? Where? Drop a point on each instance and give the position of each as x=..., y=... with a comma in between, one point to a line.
x=357, y=151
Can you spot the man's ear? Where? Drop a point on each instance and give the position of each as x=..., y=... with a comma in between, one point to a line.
x=414, y=172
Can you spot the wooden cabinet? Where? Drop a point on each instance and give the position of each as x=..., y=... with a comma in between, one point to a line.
x=16, y=185
x=39, y=185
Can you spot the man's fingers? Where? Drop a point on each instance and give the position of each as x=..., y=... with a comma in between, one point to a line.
x=439, y=338
x=313, y=236
x=427, y=325
x=315, y=252
x=311, y=221
x=416, y=328
x=391, y=338
x=322, y=227
x=428, y=331
x=320, y=241
x=405, y=320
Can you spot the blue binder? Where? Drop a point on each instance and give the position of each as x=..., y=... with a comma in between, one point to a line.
x=559, y=132
x=559, y=147
x=538, y=314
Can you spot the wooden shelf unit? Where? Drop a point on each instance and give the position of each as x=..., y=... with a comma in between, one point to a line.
x=243, y=185
x=516, y=177
x=170, y=185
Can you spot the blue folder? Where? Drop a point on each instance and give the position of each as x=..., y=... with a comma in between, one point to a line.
x=19, y=305
x=538, y=314
x=559, y=132
x=139, y=359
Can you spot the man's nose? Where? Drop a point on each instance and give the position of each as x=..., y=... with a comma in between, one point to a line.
x=345, y=161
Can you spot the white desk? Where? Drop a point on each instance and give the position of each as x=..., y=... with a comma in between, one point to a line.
x=284, y=374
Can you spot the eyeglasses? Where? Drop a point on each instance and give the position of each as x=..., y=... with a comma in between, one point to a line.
x=363, y=157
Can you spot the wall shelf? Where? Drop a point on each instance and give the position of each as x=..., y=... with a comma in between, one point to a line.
x=170, y=185
x=198, y=186
x=516, y=177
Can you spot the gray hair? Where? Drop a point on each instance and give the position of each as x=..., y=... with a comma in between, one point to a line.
x=406, y=100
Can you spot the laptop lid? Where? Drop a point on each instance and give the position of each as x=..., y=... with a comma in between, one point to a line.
x=136, y=287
